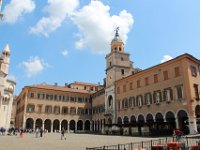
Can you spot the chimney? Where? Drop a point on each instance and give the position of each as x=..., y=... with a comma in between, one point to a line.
x=66, y=84
x=55, y=83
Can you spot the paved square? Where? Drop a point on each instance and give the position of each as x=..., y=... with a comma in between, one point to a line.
x=52, y=141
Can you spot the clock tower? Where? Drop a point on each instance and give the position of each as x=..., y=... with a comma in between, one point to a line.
x=118, y=66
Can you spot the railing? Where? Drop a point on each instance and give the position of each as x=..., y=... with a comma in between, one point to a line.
x=108, y=112
x=158, y=144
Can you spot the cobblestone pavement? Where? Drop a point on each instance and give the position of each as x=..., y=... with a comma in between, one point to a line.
x=52, y=141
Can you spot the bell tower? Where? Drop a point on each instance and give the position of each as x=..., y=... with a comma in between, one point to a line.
x=118, y=66
x=5, y=59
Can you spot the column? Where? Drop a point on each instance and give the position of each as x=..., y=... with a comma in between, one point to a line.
x=83, y=126
x=177, y=123
x=192, y=125
x=68, y=128
x=43, y=125
x=51, y=127
x=34, y=126
x=75, y=127
x=60, y=127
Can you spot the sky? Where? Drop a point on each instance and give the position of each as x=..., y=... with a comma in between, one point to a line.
x=62, y=41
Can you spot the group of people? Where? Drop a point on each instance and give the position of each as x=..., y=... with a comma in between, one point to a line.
x=39, y=132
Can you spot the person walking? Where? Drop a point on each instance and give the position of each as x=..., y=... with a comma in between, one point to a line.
x=41, y=132
x=21, y=133
x=36, y=132
x=63, y=134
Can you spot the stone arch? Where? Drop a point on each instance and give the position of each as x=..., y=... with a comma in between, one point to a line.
x=72, y=125
x=79, y=125
x=119, y=120
x=182, y=117
x=133, y=119
x=159, y=117
x=56, y=125
x=149, y=119
x=47, y=125
x=141, y=118
x=170, y=118
x=64, y=124
x=38, y=123
x=29, y=123
x=126, y=120
x=87, y=125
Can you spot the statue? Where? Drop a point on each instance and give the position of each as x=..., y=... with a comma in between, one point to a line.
x=117, y=29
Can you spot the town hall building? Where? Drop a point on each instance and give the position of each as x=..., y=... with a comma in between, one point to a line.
x=131, y=101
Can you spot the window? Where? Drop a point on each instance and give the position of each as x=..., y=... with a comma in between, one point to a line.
x=196, y=91
x=56, y=110
x=148, y=98
x=139, y=99
x=72, y=111
x=167, y=94
x=131, y=85
x=155, y=78
x=138, y=83
x=131, y=102
x=165, y=74
x=122, y=71
x=32, y=95
x=177, y=71
x=39, y=108
x=146, y=81
x=30, y=108
x=122, y=59
x=110, y=63
x=48, y=109
x=193, y=71
x=72, y=99
x=64, y=110
x=124, y=88
x=126, y=103
x=80, y=99
x=120, y=49
x=179, y=91
x=157, y=97
x=80, y=111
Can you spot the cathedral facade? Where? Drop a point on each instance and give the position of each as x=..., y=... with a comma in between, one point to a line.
x=131, y=102
x=6, y=90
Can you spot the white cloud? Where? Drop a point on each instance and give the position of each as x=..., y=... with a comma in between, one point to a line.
x=65, y=53
x=12, y=77
x=58, y=10
x=34, y=66
x=166, y=58
x=16, y=8
x=96, y=26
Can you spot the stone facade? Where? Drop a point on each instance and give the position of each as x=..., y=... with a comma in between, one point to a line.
x=132, y=101
x=6, y=90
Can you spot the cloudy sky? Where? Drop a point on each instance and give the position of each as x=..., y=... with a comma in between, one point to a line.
x=62, y=41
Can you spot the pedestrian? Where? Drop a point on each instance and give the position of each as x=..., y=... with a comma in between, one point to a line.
x=63, y=134
x=21, y=133
x=41, y=132
x=178, y=133
x=36, y=132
